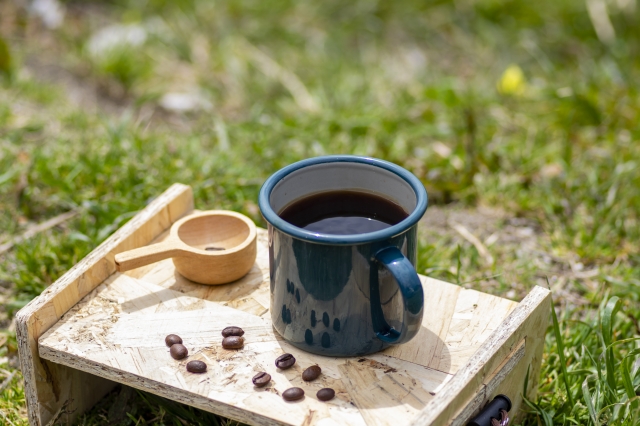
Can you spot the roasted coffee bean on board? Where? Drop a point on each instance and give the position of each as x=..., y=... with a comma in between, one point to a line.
x=233, y=342
x=172, y=339
x=178, y=351
x=311, y=373
x=292, y=394
x=325, y=394
x=261, y=379
x=232, y=331
x=285, y=361
x=196, y=366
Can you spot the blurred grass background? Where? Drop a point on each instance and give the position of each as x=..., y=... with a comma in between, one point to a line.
x=526, y=110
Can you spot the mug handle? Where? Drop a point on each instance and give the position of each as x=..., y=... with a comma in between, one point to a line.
x=412, y=297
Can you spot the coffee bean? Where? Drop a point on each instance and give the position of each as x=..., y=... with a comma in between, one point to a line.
x=178, y=351
x=311, y=373
x=285, y=361
x=292, y=394
x=172, y=339
x=261, y=379
x=233, y=342
x=232, y=331
x=325, y=394
x=196, y=367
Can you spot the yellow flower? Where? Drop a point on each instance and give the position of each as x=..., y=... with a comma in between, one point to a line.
x=512, y=81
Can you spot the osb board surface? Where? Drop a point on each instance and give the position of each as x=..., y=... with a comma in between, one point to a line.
x=55, y=392
x=118, y=331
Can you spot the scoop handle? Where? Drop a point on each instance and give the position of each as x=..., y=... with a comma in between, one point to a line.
x=146, y=255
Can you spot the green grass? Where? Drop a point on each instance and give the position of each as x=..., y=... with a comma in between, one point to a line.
x=434, y=87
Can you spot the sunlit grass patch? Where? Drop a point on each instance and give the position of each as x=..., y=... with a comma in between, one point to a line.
x=590, y=371
x=522, y=108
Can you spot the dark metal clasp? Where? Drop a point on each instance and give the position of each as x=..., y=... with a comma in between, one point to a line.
x=494, y=413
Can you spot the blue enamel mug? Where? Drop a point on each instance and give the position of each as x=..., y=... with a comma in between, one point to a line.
x=344, y=295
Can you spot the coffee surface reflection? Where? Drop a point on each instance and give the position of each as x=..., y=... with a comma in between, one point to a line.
x=343, y=213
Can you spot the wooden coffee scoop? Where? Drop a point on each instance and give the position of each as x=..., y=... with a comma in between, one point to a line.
x=210, y=247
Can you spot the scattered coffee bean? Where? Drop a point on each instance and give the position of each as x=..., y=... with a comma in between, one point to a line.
x=285, y=361
x=178, y=351
x=261, y=379
x=172, y=339
x=292, y=394
x=233, y=342
x=214, y=248
x=196, y=367
x=232, y=331
x=311, y=373
x=325, y=394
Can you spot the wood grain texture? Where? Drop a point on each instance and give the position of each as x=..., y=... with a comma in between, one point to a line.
x=118, y=331
x=488, y=391
x=527, y=322
x=131, y=350
x=455, y=323
x=113, y=329
x=52, y=390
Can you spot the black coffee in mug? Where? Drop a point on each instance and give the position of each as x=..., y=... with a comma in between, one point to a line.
x=343, y=212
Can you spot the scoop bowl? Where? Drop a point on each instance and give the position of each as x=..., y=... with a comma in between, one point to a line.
x=209, y=247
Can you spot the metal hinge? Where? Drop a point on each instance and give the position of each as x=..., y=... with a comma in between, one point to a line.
x=494, y=413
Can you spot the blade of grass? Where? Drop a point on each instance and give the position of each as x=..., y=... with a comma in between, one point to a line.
x=627, y=378
x=609, y=311
x=600, y=379
x=563, y=361
x=589, y=401
x=546, y=417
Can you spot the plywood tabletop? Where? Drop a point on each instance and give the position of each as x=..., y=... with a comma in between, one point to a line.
x=117, y=332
